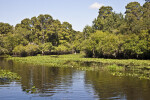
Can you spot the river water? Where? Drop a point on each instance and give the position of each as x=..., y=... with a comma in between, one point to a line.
x=55, y=83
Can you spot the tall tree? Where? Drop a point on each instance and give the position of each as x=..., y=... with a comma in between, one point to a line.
x=43, y=22
x=146, y=15
x=86, y=31
x=104, y=13
x=133, y=16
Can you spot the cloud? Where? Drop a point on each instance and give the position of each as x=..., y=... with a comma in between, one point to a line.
x=96, y=5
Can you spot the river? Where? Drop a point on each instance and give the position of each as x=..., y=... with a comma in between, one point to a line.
x=55, y=83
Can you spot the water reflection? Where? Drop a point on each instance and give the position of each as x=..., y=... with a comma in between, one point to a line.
x=47, y=82
x=39, y=82
x=107, y=86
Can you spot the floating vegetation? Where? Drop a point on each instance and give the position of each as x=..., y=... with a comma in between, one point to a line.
x=88, y=68
x=33, y=89
x=137, y=75
x=118, y=67
x=114, y=67
x=6, y=74
x=61, y=60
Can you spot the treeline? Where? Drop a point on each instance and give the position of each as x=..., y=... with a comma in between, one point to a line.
x=112, y=35
x=115, y=35
x=40, y=34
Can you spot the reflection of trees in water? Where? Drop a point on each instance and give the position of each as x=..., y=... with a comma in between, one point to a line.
x=107, y=86
x=47, y=80
x=7, y=65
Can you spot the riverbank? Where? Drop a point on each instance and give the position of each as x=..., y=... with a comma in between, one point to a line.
x=117, y=67
x=62, y=60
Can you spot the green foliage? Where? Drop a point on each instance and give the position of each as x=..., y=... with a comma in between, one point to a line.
x=46, y=47
x=86, y=31
x=103, y=44
x=32, y=49
x=112, y=35
x=32, y=90
x=5, y=28
x=62, y=48
x=115, y=68
x=3, y=51
x=11, y=41
x=119, y=36
x=5, y=74
x=20, y=50
x=37, y=35
x=60, y=60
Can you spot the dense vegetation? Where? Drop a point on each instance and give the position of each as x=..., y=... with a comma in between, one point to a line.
x=117, y=67
x=8, y=75
x=112, y=35
x=70, y=60
x=116, y=36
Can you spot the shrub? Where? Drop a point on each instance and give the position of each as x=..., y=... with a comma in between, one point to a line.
x=3, y=51
x=32, y=49
x=20, y=51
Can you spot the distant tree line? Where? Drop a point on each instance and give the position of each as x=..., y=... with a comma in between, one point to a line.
x=112, y=35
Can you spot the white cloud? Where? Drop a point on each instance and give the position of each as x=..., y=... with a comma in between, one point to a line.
x=96, y=5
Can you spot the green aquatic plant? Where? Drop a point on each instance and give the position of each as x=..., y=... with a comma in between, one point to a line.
x=6, y=74
x=61, y=60
x=139, y=75
x=32, y=90
x=114, y=67
x=118, y=67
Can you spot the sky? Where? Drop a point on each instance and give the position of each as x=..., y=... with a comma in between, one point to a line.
x=79, y=13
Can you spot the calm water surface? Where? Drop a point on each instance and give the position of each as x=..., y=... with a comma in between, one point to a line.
x=52, y=83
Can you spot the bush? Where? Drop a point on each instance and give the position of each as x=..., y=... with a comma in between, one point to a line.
x=61, y=49
x=32, y=49
x=3, y=51
x=20, y=51
x=46, y=48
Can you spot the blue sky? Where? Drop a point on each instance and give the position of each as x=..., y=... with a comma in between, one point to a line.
x=77, y=12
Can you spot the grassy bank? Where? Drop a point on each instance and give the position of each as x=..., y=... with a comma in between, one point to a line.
x=118, y=67
x=58, y=60
x=62, y=60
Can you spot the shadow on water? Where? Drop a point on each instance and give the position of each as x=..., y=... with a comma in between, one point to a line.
x=40, y=82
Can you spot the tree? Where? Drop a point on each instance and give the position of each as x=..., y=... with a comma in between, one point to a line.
x=11, y=41
x=104, y=12
x=146, y=16
x=20, y=51
x=5, y=28
x=87, y=30
x=32, y=49
x=46, y=47
x=108, y=20
x=133, y=16
x=53, y=32
x=43, y=22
